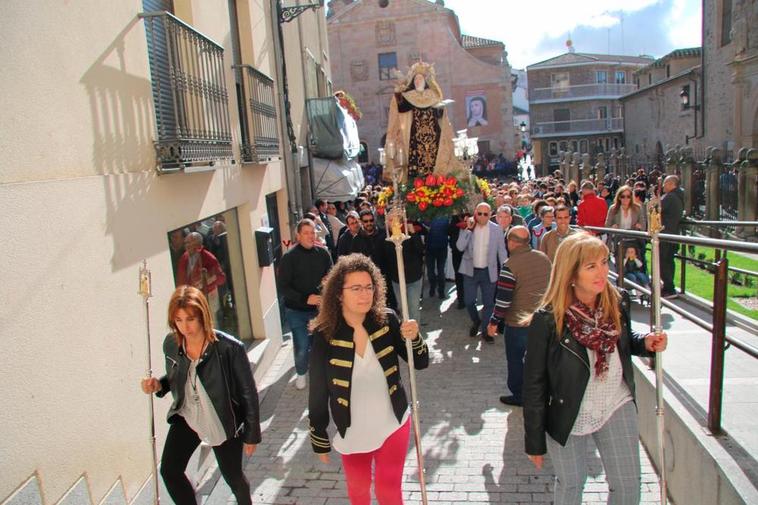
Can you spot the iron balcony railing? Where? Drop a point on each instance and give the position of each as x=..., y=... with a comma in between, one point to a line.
x=577, y=126
x=189, y=93
x=580, y=91
x=262, y=142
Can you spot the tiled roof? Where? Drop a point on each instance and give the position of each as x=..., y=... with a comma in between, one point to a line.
x=469, y=42
x=574, y=58
x=688, y=52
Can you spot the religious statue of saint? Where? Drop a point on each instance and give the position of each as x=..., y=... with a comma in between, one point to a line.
x=419, y=135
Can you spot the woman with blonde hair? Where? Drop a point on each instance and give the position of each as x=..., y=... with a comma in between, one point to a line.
x=215, y=398
x=355, y=375
x=625, y=213
x=578, y=376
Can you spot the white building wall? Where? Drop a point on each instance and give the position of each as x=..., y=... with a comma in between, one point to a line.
x=80, y=207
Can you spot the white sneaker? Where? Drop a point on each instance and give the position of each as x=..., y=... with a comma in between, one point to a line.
x=300, y=382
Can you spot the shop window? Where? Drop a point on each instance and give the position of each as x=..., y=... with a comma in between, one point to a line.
x=212, y=262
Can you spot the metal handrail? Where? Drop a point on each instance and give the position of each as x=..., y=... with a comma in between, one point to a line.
x=729, y=245
x=720, y=340
x=718, y=224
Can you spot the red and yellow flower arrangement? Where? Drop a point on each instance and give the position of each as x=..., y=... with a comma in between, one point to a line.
x=428, y=197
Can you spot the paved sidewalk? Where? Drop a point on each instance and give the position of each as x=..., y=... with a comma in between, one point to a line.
x=473, y=445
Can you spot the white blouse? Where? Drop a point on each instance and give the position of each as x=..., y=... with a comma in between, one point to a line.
x=602, y=397
x=198, y=410
x=372, y=419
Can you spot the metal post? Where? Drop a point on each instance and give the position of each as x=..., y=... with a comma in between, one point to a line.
x=145, y=292
x=717, y=346
x=619, y=261
x=654, y=228
x=683, y=265
x=397, y=228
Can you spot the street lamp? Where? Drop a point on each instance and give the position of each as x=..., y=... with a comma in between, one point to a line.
x=523, y=127
x=684, y=97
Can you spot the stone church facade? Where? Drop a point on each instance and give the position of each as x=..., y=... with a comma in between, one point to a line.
x=368, y=43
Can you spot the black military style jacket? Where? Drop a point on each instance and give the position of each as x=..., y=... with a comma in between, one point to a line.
x=331, y=370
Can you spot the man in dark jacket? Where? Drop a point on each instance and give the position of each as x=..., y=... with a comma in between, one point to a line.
x=301, y=271
x=413, y=261
x=672, y=206
x=436, y=255
x=352, y=240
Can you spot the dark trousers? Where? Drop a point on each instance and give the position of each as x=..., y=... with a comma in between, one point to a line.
x=181, y=442
x=435, y=269
x=457, y=257
x=667, y=266
x=515, y=349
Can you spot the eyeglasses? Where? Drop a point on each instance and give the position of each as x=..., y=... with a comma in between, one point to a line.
x=625, y=197
x=482, y=213
x=358, y=289
x=366, y=221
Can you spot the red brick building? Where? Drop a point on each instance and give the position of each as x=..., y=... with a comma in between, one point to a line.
x=367, y=43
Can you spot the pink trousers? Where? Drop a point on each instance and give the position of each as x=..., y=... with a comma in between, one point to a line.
x=388, y=461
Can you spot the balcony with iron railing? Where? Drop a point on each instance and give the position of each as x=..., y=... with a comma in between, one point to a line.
x=261, y=142
x=580, y=92
x=189, y=93
x=578, y=127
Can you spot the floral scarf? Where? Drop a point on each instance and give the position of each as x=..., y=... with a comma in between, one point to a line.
x=588, y=329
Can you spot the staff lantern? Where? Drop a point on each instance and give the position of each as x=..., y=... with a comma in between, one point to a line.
x=145, y=286
x=654, y=228
x=397, y=233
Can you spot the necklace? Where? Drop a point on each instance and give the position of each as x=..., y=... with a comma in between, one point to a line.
x=193, y=381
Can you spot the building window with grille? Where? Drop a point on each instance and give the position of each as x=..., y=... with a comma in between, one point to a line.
x=601, y=77
x=387, y=64
x=553, y=148
x=620, y=77
x=191, y=100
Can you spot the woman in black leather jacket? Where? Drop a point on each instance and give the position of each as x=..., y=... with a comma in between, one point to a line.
x=215, y=398
x=578, y=377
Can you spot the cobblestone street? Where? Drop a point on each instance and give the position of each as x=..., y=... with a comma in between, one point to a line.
x=473, y=444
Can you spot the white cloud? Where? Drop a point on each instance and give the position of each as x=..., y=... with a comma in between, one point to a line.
x=522, y=25
x=682, y=19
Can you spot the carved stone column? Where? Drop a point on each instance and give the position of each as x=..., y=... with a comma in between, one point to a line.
x=613, y=162
x=600, y=168
x=672, y=156
x=586, y=168
x=686, y=169
x=712, y=194
x=563, y=164
x=748, y=192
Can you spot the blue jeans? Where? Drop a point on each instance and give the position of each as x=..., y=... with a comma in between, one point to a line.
x=471, y=286
x=435, y=269
x=413, y=289
x=515, y=348
x=301, y=338
x=639, y=277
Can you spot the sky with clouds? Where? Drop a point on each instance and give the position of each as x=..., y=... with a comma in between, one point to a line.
x=535, y=30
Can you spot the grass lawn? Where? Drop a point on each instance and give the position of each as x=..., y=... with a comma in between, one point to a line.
x=700, y=281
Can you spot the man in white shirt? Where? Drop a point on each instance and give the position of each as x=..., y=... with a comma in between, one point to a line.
x=483, y=246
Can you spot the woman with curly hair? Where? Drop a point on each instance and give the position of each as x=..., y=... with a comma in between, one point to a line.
x=355, y=375
x=578, y=376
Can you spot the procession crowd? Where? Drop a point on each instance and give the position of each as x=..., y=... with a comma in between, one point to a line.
x=521, y=270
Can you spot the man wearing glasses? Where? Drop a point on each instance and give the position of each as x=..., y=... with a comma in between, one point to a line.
x=483, y=249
